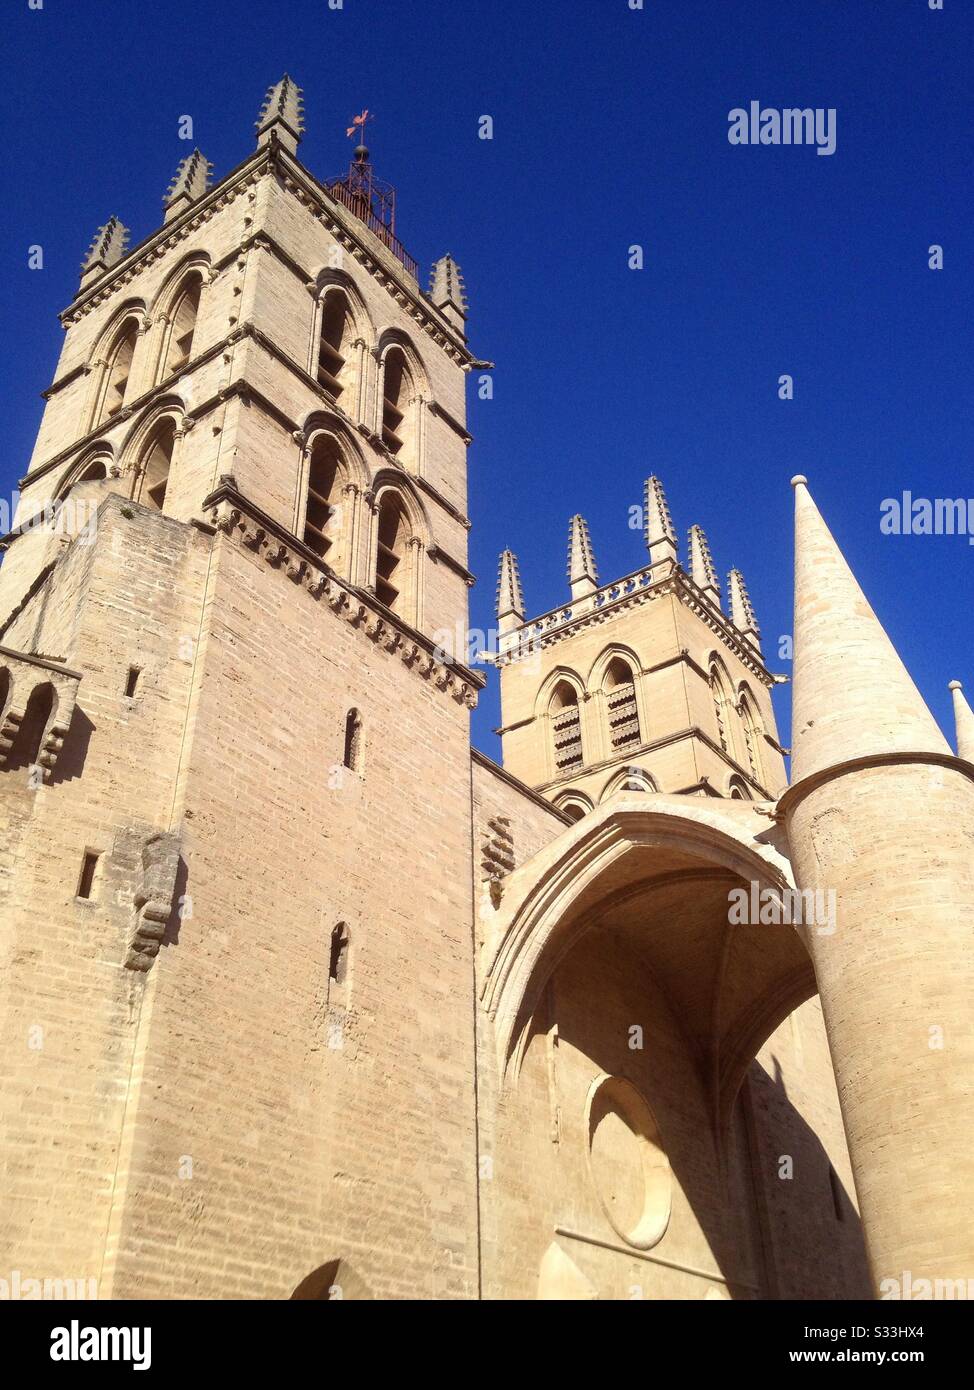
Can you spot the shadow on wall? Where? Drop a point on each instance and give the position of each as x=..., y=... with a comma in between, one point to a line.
x=601, y=1189
x=71, y=762
x=333, y=1282
x=817, y=1249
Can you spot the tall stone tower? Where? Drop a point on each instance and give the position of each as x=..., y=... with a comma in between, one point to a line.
x=645, y=683
x=223, y=721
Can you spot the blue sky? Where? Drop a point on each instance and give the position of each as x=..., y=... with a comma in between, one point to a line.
x=610, y=129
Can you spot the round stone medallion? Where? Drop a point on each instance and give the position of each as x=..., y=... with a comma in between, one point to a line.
x=629, y=1168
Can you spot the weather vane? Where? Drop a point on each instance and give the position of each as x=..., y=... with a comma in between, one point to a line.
x=358, y=124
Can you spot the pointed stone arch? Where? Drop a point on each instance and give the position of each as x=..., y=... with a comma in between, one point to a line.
x=84, y=468
x=647, y=861
x=752, y=729
x=164, y=421
x=722, y=695
x=628, y=779
x=621, y=718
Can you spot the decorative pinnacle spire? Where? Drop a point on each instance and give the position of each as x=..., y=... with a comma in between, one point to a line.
x=282, y=115
x=447, y=290
x=702, y=570
x=191, y=181
x=107, y=249
x=582, y=574
x=510, y=596
x=741, y=609
x=862, y=701
x=964, y=722
x=658, y=524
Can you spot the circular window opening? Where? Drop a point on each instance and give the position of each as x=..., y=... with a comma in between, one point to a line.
x=630, y=1171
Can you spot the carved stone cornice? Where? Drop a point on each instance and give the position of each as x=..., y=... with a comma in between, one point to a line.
x=436, y=552
x=243, y=523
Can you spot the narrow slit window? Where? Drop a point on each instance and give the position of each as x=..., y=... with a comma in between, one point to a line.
x=86, y=880
x=353, y=740
x=338, y=960
x=132, y=681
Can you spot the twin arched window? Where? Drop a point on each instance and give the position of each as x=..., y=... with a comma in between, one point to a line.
x=176, y=348
x=328, y=529
x=622, y=714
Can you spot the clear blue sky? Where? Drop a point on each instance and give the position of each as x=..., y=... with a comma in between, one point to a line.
x=610, y=129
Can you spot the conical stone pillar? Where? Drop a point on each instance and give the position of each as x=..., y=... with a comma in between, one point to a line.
x=880, y=819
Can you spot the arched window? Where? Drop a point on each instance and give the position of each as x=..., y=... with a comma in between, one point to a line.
x=738, y=790
x=26, y=747
x=574, y=807
x=118, y=371
x=182, y=326
x=751, y=736
x=391, y=559
x=91, y=472
x=334, y=343
x=620, y=697
x=155, y=466
x=566, y=728
x=322, y=529
x=397, y=414
x=719, y=695
x=353, y=740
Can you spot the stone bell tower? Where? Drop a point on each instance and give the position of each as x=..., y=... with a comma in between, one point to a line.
x=644, y=683
x=231, y=1041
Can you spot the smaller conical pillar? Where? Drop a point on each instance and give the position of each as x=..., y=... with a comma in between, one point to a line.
x=108, y=248
x=658, y=529
x=582, y=574
x=742, y=610
x=510, y=597
x=963, y=721
x=282, y=115
x=702, y=569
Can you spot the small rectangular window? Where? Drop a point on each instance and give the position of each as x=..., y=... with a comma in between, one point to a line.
x=89, y=865
x=132, y=681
